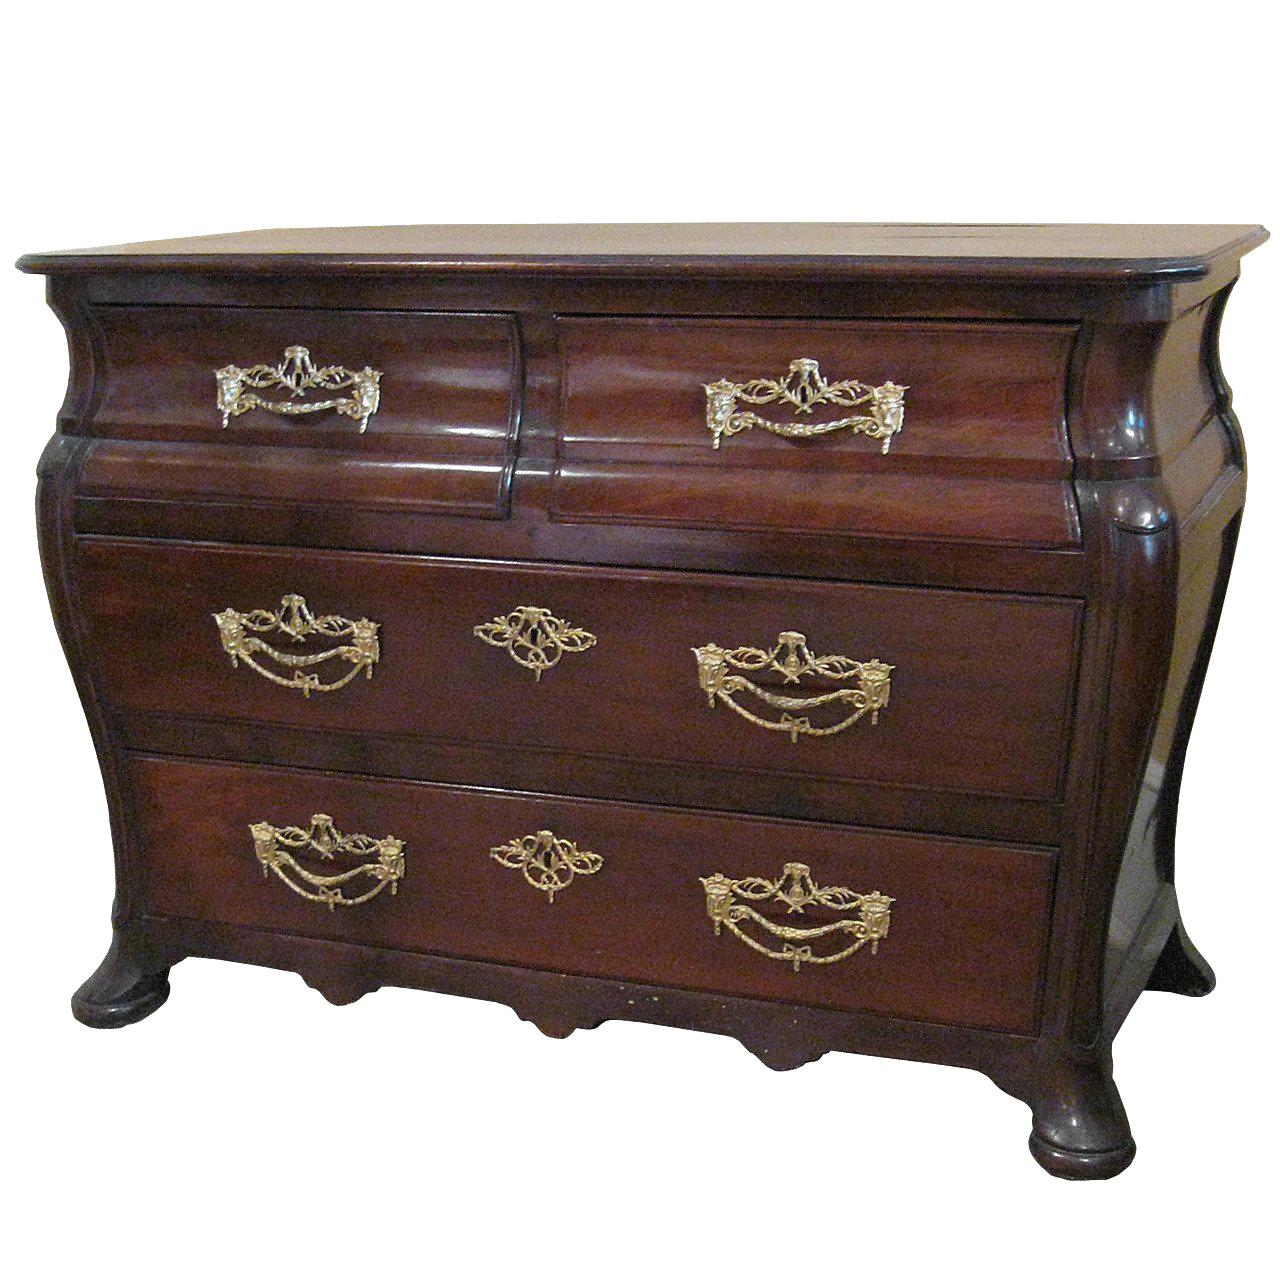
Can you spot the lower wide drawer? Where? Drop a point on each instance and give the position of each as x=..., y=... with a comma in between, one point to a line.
x=907, y=926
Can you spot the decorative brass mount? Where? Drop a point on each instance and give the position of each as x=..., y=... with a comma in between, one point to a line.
x=296, y=622
x=791, y=658
x=534, y=638
x=802, y=388
x=297, y=374
x=273, y=847
x=795, y=888
x=547, y=862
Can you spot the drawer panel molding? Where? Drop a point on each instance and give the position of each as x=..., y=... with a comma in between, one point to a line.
x=633, y=888
x=957, y=720
x=981, y=456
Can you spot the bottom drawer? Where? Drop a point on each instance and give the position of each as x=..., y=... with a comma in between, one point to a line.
x=908, y=926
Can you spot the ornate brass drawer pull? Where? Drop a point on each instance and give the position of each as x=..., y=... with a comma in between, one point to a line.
x=727, y=905
x=802, y=388
x=296, y=622
x=297, y=374
x=791, y=659
x=534, y=638
x=384, y=860
x=548, y=862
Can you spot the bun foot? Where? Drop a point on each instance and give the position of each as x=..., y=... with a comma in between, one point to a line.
x=124, y=988
x=1079, y=1127
x=1181, y=968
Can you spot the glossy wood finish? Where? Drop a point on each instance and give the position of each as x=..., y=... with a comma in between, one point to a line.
x=985, y=458
x=960, y=716
x=966, y=942
x=1133, y=254
x=1106, y=341
x=442, y=440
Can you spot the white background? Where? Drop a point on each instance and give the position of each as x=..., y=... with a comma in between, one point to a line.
x=251, y=1128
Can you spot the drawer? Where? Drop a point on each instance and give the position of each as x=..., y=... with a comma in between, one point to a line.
x=727, y=424
x=628, y=892
x=379, y=408
x=969, y=692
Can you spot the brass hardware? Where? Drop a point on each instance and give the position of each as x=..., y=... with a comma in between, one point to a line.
x=796, y=888
x=273, y=844
x=297, y=374
x=802, y=388
x=534, y=638
x=791, y=658
x=548, y=862
x=295, y=621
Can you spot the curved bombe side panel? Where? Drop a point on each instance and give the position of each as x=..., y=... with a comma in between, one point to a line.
x=1162, y=488
x=1121, y=431
x=132, y=980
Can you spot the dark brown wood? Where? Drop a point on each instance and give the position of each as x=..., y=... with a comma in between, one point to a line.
x=987, y=460
x=1042, y=554
x=967, y=940
x=963, y=718
x=1099, y=251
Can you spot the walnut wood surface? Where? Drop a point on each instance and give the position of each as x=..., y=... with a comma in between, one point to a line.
x=1046, y=558
x=985, y=459
x=965, y=946
x=1086, y=251
x=961, y=717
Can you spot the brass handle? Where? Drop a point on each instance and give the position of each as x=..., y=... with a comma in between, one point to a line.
x=727, y=906
x=803, y=387
x=533, y=637
x=273, y=846
x=791, y=658
x=548, y=862
x=298, y=374
x=295, y=621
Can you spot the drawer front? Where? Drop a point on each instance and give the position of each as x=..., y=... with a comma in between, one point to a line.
x=949, y=690
x=910, y=927
x=374, y=407
x=907, y=429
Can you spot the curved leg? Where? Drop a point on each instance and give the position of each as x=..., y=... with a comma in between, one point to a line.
x=124, y=988
x=1181, y=968
x=1078, y=1125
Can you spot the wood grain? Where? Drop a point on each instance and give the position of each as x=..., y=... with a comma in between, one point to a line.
x=1042, y=555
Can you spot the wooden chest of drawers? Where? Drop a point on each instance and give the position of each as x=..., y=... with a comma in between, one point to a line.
x=788, y=632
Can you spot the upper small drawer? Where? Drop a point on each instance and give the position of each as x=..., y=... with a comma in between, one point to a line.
x=915, y=429
x=374, y=407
